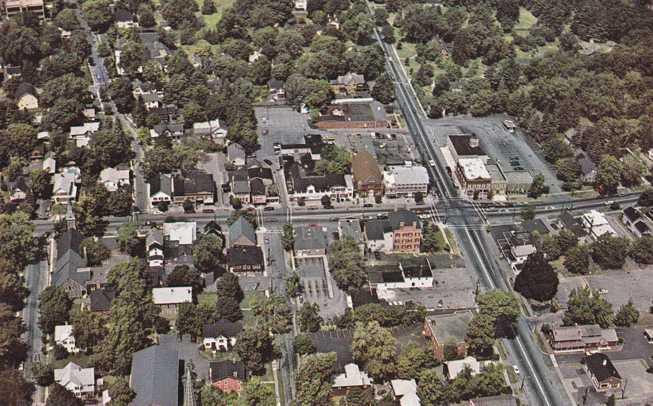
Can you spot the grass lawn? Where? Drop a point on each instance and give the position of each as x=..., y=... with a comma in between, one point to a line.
x=212, y=19
x=526, y=20
x=246, y=306
x=208, y=298
x=441, y=240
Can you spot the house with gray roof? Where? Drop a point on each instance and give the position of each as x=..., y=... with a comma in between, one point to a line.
x=155, y=376
x=160, y=189
x=399, y=233
x=448, y=329
x=242, y=232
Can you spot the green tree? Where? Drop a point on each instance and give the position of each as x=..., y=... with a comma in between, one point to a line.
x=207, y=253
x=537, y=280
x=41, y=184
x=89, y=329
x=384, y=89
x=120, y=392
x=566, y=240
x=273, y=313
x=537, y=188
x=627, y=315
x=646, y=198
x=67, y=20
x=257, y=393
x=14, y=389
x=95, y=251
x=228, y=285
x=294, y=286
x=432, y=390
x=314, y=379
x=189, y=320
x=208, y=7
x=98, y=14
x=527, y=213
x=430, y=240
x=374, y=347
x=17, y=243
x=43, y=374
x=288, y=237
x=128, y=238
x=608, y=174
x=577, y=260
x=120, y=92
x=255, y=348
x=309, y=317
x=13, y=350
x=610, y=252
x=54, y=308
x=413, y=360
x=587, y=306
x=346, y=264
x=183, y=275
x=60, y=396
x=303, y=344
x=642, y=250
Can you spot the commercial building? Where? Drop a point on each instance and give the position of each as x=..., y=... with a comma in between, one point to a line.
x=169, y=298
x=448, y=330
x=474, y=178
x=401, y=232
x=405, y=180
x=405, y=275
x=368, y=179
x=583, y=338
x=602, y=372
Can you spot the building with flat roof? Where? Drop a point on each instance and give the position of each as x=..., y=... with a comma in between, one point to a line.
x=404, y=275
x=466, y=146
x=448, y=329
x=475, y=181
x=39, y=8
x=405, y=180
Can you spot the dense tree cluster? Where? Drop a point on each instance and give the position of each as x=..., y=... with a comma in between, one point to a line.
x=498, y=310
x=587, y=306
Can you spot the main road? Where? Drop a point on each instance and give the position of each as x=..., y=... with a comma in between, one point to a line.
x=541, y=384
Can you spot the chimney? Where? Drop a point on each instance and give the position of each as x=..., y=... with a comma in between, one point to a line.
x=474, y=142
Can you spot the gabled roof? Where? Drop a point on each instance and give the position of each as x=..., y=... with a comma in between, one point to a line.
x=155, y=376
x=154, y=236
x=601, y=367
x=172, y=295
x=196, y=182
x=123, y=15
x=235, y=151
x=257, y=187
x=76, y=375
x=69, y=259
x=101, y=299
x=310, y=238
x=23, y=89
x=365, y=168
x=161, y=183
x=352, y=376
x=227, y=369
x=241, y=228
x=632, y=214
x=244, y=255
x=222, y=328
x=259, y=172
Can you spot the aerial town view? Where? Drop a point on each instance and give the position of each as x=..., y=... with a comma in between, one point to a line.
x=326, y=202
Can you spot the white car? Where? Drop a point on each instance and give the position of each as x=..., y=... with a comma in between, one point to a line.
x=516, y=369
x=431, y=162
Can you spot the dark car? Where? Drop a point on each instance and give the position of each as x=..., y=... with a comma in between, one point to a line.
x=226, y=188
x=368, y=205
x=267, y=161
x=268, y=208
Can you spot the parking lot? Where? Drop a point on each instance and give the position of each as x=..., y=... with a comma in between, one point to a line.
x=319, y=287
x=513, y=151
x=279, y=124
x=391, y=147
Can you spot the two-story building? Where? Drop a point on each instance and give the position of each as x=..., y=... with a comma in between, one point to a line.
x=367, y=176
x=169, y=298
x=405, y=181
x=448, y=330
x=221, y=335
x=401, y=232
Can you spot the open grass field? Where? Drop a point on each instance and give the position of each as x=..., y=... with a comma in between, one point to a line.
x=212, y=19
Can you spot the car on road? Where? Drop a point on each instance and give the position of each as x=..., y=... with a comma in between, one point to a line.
x=208, y=211
x=267, y=161
x=368, y=205
x=431, y=162
x=268, y=208
x=516, y=369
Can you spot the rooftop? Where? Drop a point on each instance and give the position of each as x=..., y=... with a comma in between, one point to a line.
x=466, y=145
x=352, y=376
x=310, y=238
x=183, y=232
x=601, y=367
x=450, y=327
x=474, y=169
x=415, y=174
x=172, y=295
x=155, y=376
x=455, y=367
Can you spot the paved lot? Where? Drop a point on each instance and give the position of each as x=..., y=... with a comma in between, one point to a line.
x=213, y=163
x=283, y=125
x=623, y=286
x=498, y=143
x=320, y=288
x=634, y=346
x=639, y=383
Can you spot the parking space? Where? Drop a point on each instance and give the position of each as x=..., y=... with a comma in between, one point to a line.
x=619, y=287
x=639, y=383
x=513, y=151
x=389, y=147
x=319, y=287
x=279, y=125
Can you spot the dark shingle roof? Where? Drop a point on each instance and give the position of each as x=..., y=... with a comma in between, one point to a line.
x=223, y=328
x=69, y=259
x=155, y=376
x=23, y=89
x=227, y=369
x=161, y=183
x=395, y=219
x=242, y=228
x=244, y=255
x=101, y=299
x=338, y=341
x=123, y=15
x=196, y=182
x=374, y=230
x=257, y=187
x=463, y=145
x=258, y=172
x=632, y=214
x=601, y=367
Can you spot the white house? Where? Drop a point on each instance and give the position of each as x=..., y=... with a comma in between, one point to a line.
x=78, y=380
x=65, y=185
x=221, y=335
x=405, y=276
x=636, y=223
x=405, y=390
x=181, y=232
x=114, y=178
x=159, y=189
x=352, y=377
x=596, y=224
x=170, y=297
x=63, y=336
x=211, y=129
x=82, y=133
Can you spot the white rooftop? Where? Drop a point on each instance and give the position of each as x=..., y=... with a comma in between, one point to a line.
x=410, y=399
x=184, y=233
x=62, y=332
x=457, y=366
x=172, y=295
x=83, y=378
x=84, y=129
x=112, y=178
x=402, y=387
x=474, y=168
x=352, y=377
x=414, y=174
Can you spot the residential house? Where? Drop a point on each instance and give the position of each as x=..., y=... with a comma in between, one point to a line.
x=49, y=164
x=405, y=390
x=635, y=221
x=63, y=336
x=65, y=182
x=240, y=186
x=602, y=372
x=197, y=187
x=80, y=381
x=257, y=191
x=261, y=184
x=276, y=86
x=405, y=181
x=588, y=168
x=37, y=8
x=455, y=367
x=210, y=129
x=155, y=256
x=169, y=130
x=221, y=335
x=313, y=146
x=349, y=83
x=115, y=178
x=351, y=228
x=406, y=275
x=155, y=376
x=596, y=224
x=301, y=5
x=152, y=101
x=82, y=134
x=567, y=221
x=100, y=300
x=124, y=19
x=179, y=238
x=89, y=113
x=368, y=179
x=583, y=338
x=169, y=298
x=160, y=189
x=304, y=184
x=516, y=244
x=227, y=376
x=353, y=377
x=236, y=154
x=244, y=259
x=310, y=241
x=18, y=189
x=242, y=233
x=448, y=330
x=400, y=233
x=26, y=97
